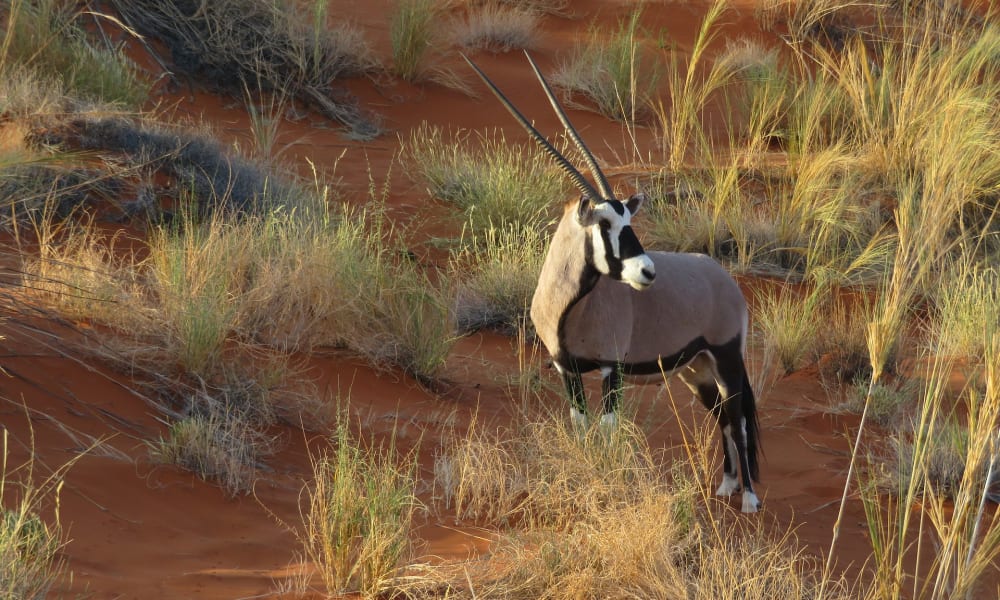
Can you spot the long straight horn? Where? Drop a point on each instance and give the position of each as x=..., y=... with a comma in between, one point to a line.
x=599, y=177
x=578, y=178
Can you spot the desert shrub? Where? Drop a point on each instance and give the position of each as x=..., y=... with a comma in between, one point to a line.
x=283, y=47
x=213, y=178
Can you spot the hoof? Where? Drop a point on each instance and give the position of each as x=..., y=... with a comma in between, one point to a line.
x=750, y=502
x=609, y=422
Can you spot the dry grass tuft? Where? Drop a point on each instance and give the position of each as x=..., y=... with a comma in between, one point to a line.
x=497, y=28
x=598, y=517
x=497, y=185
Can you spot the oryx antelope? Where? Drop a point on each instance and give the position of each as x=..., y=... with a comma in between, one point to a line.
x=676, y=312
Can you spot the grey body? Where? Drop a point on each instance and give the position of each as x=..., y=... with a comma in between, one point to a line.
x=692, y=297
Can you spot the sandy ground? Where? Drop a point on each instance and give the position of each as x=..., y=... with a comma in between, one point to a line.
x=138, y=530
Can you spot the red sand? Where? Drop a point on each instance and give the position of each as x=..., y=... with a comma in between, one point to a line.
x=142, y=531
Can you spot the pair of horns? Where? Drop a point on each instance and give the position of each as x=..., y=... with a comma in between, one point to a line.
x=578, y=178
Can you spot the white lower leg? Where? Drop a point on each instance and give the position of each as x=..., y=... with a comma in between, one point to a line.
x=578, y=419
x=729, y=486
x=751, y=503
x=730, y=480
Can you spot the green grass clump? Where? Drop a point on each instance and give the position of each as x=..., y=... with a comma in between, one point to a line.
x=357, y=515
x=29, y=547
x=194, y=277
x=493, y=183
x=791, y=321
x=47, y=38
x=412, y=36
x=612, y=71
x=967, y=307
x=497, y=273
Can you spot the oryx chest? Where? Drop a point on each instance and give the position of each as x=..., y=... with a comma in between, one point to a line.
x=597, y=330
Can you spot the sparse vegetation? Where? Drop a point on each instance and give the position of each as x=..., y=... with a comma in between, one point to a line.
x=496, y=273
x=552, y=7
x=600, y=517
x=948, y=466
x=789, y=321
x=857, y=165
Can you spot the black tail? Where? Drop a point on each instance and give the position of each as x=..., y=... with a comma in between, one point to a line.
x=753, y=430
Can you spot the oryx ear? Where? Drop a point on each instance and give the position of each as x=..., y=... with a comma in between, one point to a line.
x=585, y=211
x=635, y=202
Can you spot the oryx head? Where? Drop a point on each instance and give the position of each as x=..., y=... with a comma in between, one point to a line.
x=614, y=250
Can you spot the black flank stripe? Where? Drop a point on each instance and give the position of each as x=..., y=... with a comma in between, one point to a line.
x=678, y=359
